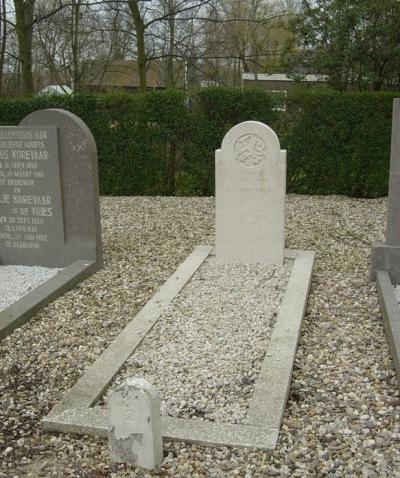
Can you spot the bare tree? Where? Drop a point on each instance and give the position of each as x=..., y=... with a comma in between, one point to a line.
x=23, y=25
x=29, y=14
x=250, y=29
x=170, y=11
x=78, y=45
x=147, y=17
x=218, y=37
x=239, y=35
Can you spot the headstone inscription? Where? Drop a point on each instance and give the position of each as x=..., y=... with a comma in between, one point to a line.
x=49, y=199
x=385, y=256
x=134, y=425
x=250, y=189
x=31, y=221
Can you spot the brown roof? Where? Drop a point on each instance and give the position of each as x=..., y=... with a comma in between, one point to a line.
x=121, y=74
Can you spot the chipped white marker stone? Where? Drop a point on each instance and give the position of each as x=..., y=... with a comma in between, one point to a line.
x=134, y=425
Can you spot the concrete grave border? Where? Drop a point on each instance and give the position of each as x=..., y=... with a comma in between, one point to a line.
x=76, y=412
x=391, y=316
x=25, y=308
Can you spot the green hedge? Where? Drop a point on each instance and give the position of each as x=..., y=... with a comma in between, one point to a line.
x=213, y=112
x=338, y=143
x=139, y=147
x=163, y=143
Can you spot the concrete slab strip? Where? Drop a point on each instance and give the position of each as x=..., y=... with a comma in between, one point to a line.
x=75, y=415
x=21, y=311
x=93, y=422
x=94, y=381
x=391, y=316
x=272, y=387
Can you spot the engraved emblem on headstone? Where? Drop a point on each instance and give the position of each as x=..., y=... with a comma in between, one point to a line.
x=250, y=150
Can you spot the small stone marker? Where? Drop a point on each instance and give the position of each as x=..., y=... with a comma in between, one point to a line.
x=49, y=192
x=135, y=425
x=386, y=256
x=250, y=190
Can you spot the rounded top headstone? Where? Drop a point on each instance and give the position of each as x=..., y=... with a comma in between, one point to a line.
x=75, y=151
x=250, y=187
x=251, y=143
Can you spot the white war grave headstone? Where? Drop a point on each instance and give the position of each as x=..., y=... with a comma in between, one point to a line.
x=385, y=256
x=250, y=190
x=134, y=424
x=49, y=192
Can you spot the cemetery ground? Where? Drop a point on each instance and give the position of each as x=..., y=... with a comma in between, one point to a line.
x=342, y=416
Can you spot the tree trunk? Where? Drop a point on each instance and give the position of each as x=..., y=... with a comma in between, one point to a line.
x=170, y=166
x=170, y=56
x=140, y=44
x=76, y=5
x=24, y=29
x=3, y=33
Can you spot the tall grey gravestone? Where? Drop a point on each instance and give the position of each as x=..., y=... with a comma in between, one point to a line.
x=49, y=192
x=250, y=190
x=385, y=256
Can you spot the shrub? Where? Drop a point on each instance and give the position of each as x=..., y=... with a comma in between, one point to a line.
x=338, y=143
x=164, y=142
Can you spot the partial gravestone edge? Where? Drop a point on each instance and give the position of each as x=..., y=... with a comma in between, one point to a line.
x=391, y=317
x=385, y=256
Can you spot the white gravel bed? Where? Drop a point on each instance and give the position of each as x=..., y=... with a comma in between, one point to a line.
x=343, y=413
x=205, y=352
x=17, y=281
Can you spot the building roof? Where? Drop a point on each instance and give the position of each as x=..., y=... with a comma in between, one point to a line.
x=281, y=77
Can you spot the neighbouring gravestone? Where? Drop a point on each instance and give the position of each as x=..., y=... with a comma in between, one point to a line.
x=49, y=192
x=134, y=425
x=250, y=189
x=386, y=256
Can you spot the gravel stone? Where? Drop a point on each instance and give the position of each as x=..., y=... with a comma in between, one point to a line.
x=192, y=355
x=17, y=281
x=343, y=412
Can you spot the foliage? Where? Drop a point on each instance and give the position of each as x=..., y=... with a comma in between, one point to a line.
x=338, y=143
x=355, y=42
x=13, y=110
x=163, y=143
x=213, y=112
